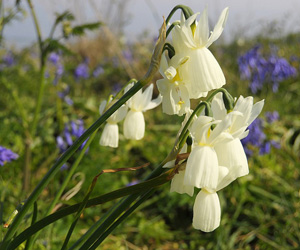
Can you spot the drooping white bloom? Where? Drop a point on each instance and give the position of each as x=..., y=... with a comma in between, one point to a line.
x=202, y=168
x=176, y=100
x=134, y=124
x=207, y=211
x=231, y=154
x=110, y=134
x=201, y=73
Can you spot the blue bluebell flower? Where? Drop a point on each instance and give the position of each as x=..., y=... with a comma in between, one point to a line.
x=6, y=155
x=72, y=131
x=98, y=71
x=8, y=59
x=54, y=58
x=82, y=71
x=255, y=68
x=272, y=116
x=64, y=95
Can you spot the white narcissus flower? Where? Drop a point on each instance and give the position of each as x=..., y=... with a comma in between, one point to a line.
x=110, y=134
x=202, y=169
x=207, y=211
x=176, y=100
x=134, y=124
x=201, y=73
x=231, y=154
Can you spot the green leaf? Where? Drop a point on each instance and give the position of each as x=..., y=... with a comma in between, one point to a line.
x=51, y=45
x=80, y=29
x=67, y=15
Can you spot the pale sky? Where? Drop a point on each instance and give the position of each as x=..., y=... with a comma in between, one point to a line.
x=246, y=17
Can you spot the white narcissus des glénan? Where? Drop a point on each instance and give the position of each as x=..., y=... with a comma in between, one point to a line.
x=202, y=167
x=201, y=73
x=110, y=134
x=176, y=99
x=134, y=124
x=231, y=154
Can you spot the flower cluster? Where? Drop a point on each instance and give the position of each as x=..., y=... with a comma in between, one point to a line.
x=255, y=68
x=6, y=155
x=257, y=139
x=193, y=70
x=217, y=157
x=134, y=123
x=72, y=131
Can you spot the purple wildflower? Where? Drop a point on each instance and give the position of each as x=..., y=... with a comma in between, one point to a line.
x=72, y=131
x=258, y=70
x=272, y=116
x=82, y=71
x=127, y=54
x=8, y=59
x=54, y=58
x=6, y=155
x=64, y=95
x=258, y=139
x=98, y=71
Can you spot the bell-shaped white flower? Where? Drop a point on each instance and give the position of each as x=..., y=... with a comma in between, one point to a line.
x=231, y=154
x=207, y=211
x=202, y=168
x=176, y=100
x=201, y=73
x=134, y=124
x=110, y=134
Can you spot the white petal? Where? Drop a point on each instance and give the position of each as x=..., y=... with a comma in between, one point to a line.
x=145, y=98
x=219, y=27
x=110, y=136
x=257, y=108
x=202, y=30
x=232, y=156
x=177, y=185
x=134, y=125
x=119, y=115
x=169, y=164
x=202, y=168
x=218, y=107
x=215, y=135
x=201, y=73
x=163, y=86
x=102, y=107
x=153, y=103
x=207, y=211
x=163, y=64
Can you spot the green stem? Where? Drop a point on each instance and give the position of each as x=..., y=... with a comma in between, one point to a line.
x=68, y=177
x=69, y=152
x=36, y=24
x=123, y=205
x=172, y=27
x=185, y=9
x=34, y=217
x=39, y=99
x=122, y=218
x=138, y=188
